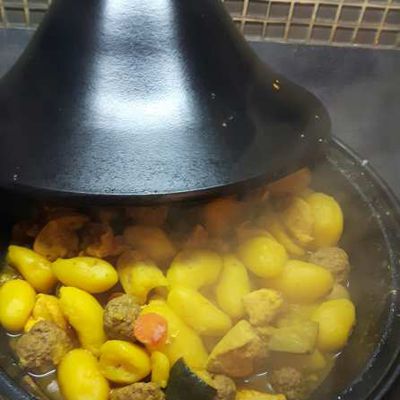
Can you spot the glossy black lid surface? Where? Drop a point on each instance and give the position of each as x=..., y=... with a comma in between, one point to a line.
x=147, y=100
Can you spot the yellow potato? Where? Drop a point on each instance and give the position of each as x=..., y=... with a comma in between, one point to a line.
x=183, y=342
x=160, y=367
x=47, y=308
x=247, y=230
x=139, y=275
x=123, y=362
x=33, y=267
x=291, y=184
x=336, y=319
x=299, y=220
x=198, y=312
x=91, y=274
x=254, y=395
x=263, y=256
x=194, y=268
x=221, y=214
x=276, y=228
x=151, y=240
x=303, y=282
x=328, y=219
x=85, y=315
x=233, y=284
x=17, y=298
x=79, y=377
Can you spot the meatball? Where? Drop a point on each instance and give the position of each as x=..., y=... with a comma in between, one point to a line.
x=226, y=388
x=335, y=260
x=262, y=306
x=43, y=347
x=288, y=381
x=119, y=317
x=138, y=391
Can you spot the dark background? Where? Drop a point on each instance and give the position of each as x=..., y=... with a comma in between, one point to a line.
x=359, y=87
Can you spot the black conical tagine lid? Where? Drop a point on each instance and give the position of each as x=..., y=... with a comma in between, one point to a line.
x=148, y=100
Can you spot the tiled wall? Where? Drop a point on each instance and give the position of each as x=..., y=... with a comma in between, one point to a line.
x=339, y=22
x=373, y=23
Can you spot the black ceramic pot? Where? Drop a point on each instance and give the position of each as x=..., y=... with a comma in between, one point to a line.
x=368, y=365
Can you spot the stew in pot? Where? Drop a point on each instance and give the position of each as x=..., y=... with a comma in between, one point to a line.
x=242, y=297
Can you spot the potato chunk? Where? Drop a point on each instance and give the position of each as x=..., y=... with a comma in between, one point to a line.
x=254, y=395
x=238, y=352
x=336, y=319
x=300, y=338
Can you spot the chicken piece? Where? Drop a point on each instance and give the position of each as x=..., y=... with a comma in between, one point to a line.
x=24, y=232
x=43, y=347
x=58, y=238
x=138, y=391
x=107, y=215
x=120, y=315
x=226, y=388
x=238, y=353
x=290, y=382
x=333, y=259
x=262, y=306
x=151, y=216
x=152, y=241
x=198, y=238
x=220, y=215
x=98, y=240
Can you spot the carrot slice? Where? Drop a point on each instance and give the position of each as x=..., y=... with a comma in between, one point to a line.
x=151, y=329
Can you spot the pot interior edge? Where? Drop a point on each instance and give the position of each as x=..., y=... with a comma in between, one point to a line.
x=372, y=236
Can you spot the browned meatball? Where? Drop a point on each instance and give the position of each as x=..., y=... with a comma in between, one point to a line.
x=119, y=317
x=335, y=260
x=138, y=391
x=288, y=381
x=43, y=347
x=226, y=388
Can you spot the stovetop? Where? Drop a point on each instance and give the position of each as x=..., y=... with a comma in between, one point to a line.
x=360, y=88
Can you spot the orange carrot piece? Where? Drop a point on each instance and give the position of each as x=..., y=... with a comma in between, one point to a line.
x=151, y=329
